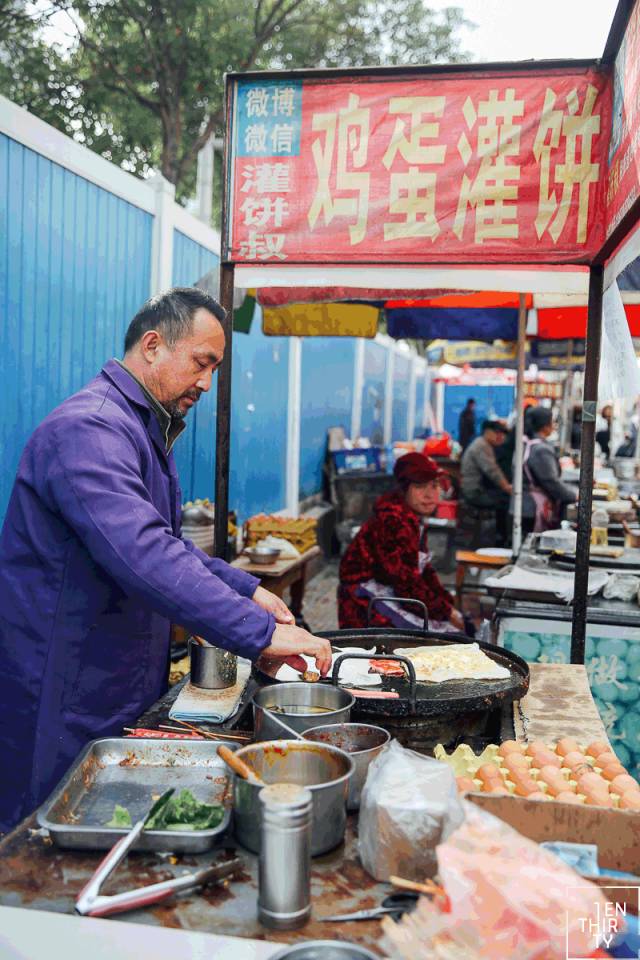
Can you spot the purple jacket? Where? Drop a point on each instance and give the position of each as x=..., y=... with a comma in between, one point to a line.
x=92, y=573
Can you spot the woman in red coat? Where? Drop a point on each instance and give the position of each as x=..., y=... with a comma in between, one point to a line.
x=389, y=556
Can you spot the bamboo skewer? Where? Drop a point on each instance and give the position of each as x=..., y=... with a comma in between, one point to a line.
x=208, y=735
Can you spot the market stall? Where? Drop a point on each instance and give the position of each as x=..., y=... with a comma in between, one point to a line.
x=311, y=160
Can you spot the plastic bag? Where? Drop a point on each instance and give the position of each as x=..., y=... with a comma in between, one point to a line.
x=512, y=898
x=621, y=586
x=439, y=445
x=409, y=804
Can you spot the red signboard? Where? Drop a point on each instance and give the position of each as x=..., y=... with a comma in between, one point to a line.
x=464, y=168
x=623, y=179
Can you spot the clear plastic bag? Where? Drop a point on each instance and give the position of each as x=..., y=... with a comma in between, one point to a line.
x=621, y=586
x=512, y=898
x=409, y=805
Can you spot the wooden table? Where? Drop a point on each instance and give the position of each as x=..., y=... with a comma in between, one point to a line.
x=469, y=558
x=283, y=574
x=558, y=704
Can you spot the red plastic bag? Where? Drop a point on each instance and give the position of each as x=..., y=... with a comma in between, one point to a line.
x=439, y=445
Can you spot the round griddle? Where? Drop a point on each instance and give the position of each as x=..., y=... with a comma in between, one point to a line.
x=437, y=701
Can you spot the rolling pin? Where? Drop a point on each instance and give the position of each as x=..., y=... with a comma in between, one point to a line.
x=239, y=766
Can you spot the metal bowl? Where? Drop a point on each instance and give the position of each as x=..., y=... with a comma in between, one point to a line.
x=325, y=950
x=324, y=769
x=362, y=741
x=263, y=555
x=301, y=706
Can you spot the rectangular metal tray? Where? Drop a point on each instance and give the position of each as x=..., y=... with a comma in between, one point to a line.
x=132, y=771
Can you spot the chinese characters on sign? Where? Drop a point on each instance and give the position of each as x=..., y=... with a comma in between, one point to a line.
x=268, y=126
x=421, y=169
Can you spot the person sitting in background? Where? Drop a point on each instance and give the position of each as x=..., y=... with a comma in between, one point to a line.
x=483, y=484
x=603, y=429
x=467, y=424
x=389, y=556
x=544, y=494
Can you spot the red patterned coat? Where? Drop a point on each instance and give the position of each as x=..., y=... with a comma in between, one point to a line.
x=386, y=550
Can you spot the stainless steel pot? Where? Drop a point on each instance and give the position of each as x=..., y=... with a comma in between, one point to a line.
x=324, y=769
x=301, y=706
x=362, y=741
x=211, y=667
x=325, y=950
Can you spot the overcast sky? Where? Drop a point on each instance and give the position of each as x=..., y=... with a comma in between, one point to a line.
x=512, y=29
x=542, y=29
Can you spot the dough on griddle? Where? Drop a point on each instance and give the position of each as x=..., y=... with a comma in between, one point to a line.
x=455, y=661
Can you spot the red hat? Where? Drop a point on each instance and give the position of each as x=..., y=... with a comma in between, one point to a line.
x=416, y=468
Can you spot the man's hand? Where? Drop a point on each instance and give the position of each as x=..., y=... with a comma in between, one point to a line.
x=508, y=488
x=287, y=643
x=457, y=620
x=272, y=604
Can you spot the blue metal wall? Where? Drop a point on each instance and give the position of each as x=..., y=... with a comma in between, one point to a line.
x=191, y=261
x=400, y=405
x=195, y=450
x=375, y=365
x=260, y=393
x=491, y=401
x=418, y=428
x=74, y=268
x=327, y=397
x=259, y=397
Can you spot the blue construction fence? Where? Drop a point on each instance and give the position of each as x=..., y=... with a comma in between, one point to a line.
x=75, y=265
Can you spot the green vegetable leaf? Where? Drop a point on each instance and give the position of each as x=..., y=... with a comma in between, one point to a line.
x=121, y=817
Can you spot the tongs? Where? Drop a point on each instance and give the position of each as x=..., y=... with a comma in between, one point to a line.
x=91, y=904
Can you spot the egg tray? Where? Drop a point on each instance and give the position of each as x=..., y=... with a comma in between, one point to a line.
x=465, y=763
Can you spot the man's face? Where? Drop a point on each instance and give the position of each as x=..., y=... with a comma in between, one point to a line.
x=423, y=498
x=180, y=374
x=495, y=437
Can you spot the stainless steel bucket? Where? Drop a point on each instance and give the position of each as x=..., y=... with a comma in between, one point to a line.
x=362, y=741
x=325, y=950
x=325, y=770
x=301, y=706
x=211, y=667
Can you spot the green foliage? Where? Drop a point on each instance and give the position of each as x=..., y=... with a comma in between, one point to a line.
x=141, y=81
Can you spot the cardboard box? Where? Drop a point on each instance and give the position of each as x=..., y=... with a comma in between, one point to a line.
x=616, y=833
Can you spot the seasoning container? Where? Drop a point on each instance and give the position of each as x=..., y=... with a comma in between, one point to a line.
x=284, y=871
x=600, y=527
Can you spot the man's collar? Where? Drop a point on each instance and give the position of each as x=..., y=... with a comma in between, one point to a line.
x=135, y=390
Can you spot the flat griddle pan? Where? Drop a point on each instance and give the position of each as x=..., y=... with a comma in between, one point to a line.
x=432, y=700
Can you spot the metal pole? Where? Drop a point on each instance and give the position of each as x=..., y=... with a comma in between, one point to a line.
x=223, y=415
x=587, y=448
x=516, y=539
x=565, y=403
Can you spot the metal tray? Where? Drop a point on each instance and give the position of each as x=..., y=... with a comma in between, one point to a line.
x=131, y=771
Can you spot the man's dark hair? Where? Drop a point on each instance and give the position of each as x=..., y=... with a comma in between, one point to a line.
x=171, y=314
x=537, y=418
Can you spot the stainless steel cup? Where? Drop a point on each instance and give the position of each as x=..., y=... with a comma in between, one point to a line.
x=301, y=705
x=362, y=741
x=211, y=667
x=284, y=870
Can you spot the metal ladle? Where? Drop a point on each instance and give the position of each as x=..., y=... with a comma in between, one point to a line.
x=285, y=726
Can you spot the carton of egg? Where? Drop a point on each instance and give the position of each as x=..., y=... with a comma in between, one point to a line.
x=563, y=772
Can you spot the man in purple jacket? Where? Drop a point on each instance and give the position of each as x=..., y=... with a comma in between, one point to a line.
x=92, y=567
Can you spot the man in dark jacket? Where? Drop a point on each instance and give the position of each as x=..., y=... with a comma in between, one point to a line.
x=467, y=424
x=92, y=567
x=483, y=484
